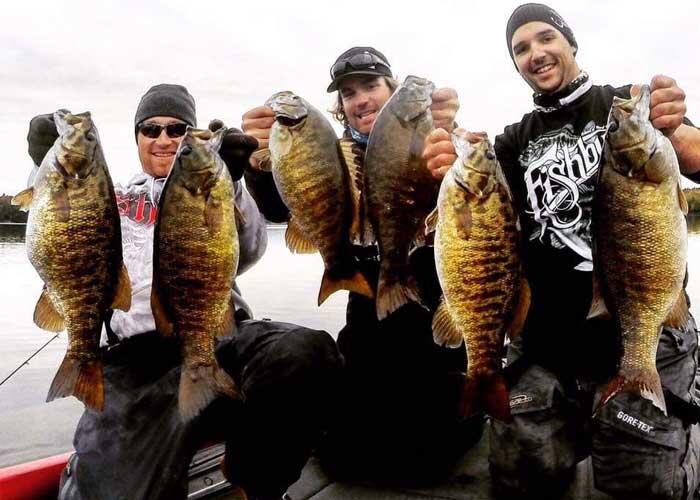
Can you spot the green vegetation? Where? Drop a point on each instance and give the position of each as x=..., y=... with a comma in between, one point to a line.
x=693, y=197
x=9, y=212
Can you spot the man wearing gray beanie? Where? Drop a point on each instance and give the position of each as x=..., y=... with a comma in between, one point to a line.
x=550, y=159
x=139, y=447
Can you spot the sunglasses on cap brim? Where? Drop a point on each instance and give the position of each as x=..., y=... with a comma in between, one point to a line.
x=364, y=60
x=153, y=130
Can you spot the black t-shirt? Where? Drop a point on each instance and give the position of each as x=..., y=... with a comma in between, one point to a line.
x=550, y=159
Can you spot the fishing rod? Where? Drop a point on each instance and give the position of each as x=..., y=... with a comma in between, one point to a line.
x=26, y=361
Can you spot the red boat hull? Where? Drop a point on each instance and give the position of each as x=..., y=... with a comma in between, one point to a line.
x=35, y=480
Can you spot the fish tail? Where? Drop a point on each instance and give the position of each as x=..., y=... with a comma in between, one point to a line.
x=82, y=379
x=646, y=383
x=391, y=296
x=354, y=281
x=199, y=386
x=489, y=394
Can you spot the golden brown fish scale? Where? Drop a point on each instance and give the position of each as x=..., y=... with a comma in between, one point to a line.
x=479, y=274
x=400, y=189
x=78, y=258
x=311, y=180
x=637, y=236
x=196, y=266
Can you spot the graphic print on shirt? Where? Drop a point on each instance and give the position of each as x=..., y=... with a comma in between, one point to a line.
x=560, y=167
x=138, y=207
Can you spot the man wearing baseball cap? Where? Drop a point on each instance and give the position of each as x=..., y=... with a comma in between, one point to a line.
x=139, y=447
x=397, y=420
x=561, y=356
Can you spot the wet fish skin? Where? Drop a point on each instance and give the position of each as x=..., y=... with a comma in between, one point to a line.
x=74, y=242
x=640, y=244
x=478, y=265
x=400, y=191
x=313, y=183
x=195, y=260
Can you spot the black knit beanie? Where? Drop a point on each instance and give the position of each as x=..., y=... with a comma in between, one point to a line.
x=530, y=12
x=167, y=100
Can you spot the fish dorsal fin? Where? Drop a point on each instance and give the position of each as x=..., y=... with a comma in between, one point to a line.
x=522, y=307
x=45, y=315
x=352, y=162
x=682, y=200
x=163, y=323
x=122, y=296
x=431, y=221
x=296, y=239
x=598, y=307
x=679, y=316
x=445, y=331
x=24, y=199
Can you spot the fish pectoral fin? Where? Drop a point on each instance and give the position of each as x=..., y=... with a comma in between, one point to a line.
x=679, y=315
x=463, y=211
x=445, y=331
x=24, y=199
x=45, y=315
x=213, y=214
x=682, y=200
x=431, y=221
x=163, y=323
x=522, y=307
x=82, y=379
x=598, y=307
x=122, y=296
x=263, y=159
x=296, y=239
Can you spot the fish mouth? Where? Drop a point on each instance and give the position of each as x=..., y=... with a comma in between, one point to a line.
x=289, y=121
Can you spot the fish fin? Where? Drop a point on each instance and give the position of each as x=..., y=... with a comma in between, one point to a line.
x=598, y=307
x=23, y=199
x=445, y=331
x=122, y=296
x=163, y=324
x=352, y=166
x=199, y=386
x=391, y=296
x=497, y=398
x=682, y=200
x=80, y=379
x=489, y=394
x=464, y=219
x=213, y=214
x=59, y=196
x=431, y=221
x=645, y=383
x=228, y=323
x=679, y=315
x=356, y=283
x=521, y=309
x=296, y=239
x=45, y=315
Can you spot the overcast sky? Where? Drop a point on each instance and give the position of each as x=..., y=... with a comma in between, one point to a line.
x=102, y=56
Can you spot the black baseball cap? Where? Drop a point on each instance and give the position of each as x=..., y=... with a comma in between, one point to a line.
x=358, y=61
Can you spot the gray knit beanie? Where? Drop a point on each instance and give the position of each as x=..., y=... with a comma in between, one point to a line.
x=167, y=100
x=530, y=12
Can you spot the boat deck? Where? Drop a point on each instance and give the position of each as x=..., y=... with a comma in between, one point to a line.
x=470, y=481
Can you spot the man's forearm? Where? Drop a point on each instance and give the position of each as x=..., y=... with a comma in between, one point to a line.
x=686, y=142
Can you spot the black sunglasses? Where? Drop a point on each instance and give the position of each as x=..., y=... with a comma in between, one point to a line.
x=364, y=60
x=153, y=130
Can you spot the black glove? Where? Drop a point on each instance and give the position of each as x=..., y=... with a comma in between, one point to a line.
x=41, y=136
x=236, y=149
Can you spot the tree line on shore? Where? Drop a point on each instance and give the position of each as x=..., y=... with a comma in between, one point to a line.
x=12, y=213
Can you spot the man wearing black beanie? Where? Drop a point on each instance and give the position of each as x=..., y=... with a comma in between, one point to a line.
x=550, y=159
x=139, y=447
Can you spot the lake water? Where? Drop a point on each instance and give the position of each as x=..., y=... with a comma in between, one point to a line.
x=281, y=286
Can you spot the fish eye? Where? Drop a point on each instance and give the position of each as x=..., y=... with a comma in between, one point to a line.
x=186, y=150
x=613, y=126
x=490, y=155
x=90, y=137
